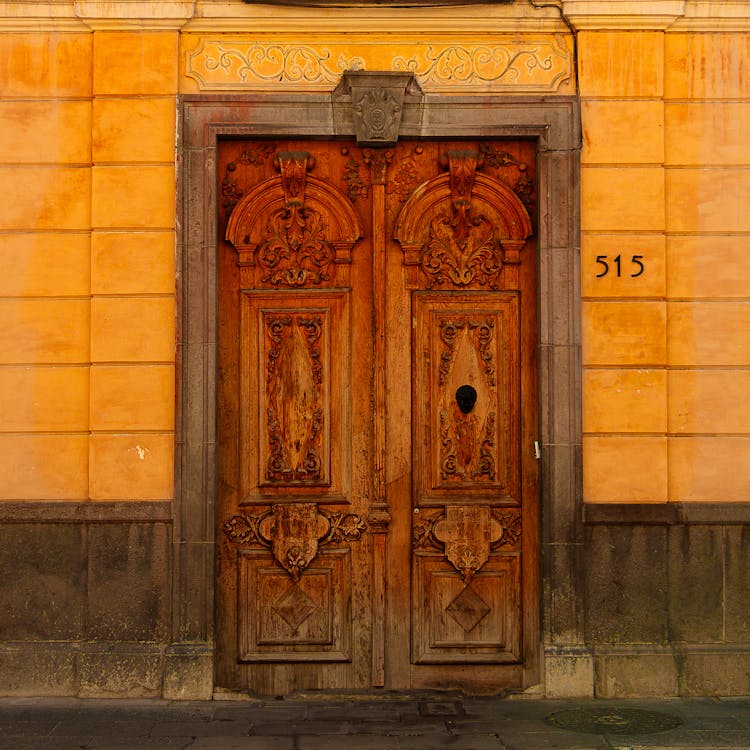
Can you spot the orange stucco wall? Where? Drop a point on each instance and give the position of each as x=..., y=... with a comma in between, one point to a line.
x=87, y=241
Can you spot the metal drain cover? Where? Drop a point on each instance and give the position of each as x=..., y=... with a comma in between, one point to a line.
x=613, y=720
x=440, y=708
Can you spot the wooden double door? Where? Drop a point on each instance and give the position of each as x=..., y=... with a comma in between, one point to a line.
x=377, y=416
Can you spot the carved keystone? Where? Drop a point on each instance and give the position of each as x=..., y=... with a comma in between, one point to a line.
x=377, y=102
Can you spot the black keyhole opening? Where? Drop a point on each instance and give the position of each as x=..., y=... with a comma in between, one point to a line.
x=466, y=398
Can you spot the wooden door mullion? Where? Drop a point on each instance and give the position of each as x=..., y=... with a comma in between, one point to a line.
x=380, y=516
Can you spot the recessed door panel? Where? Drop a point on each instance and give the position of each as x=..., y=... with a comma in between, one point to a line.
x=466, y=397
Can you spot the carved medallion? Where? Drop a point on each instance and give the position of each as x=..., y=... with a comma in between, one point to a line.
x=423, y=529
x=294, y=530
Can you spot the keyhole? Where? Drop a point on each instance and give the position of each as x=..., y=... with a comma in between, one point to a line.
x=466, y=397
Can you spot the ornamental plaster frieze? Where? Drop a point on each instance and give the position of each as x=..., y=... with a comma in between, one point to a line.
x=531, y=64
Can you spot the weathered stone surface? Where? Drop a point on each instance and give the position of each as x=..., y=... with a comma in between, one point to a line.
x=568, y=673
x=119, y=674
x=626, y=584
x=696, y=587
x=44, y=573
x=128, y=582
x=629, y=675
x=714, y=672
x=188, y=676
x=737, y=593
x=37, y=670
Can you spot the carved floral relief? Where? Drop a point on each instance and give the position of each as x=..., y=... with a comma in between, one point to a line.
x=463, y=228
x=467, y=431
x=295, y=228
x=466, y=534
x=294, y=532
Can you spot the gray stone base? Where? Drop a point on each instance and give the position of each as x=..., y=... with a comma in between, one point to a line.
x=685, y=671
x=106, y=670
x=666, y=599
x=568, y=672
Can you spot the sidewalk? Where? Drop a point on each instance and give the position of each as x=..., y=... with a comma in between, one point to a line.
x=371, y=721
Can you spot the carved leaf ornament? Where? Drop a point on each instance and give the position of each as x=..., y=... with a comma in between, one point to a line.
x=467, y=534
x=294, y=227
x=294, y=532
x=461, y=228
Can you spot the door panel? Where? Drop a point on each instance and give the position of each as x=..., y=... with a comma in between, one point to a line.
x=466, y=398
x=377, y=484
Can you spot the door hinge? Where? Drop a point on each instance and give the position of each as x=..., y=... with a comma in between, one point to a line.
x=537, y=450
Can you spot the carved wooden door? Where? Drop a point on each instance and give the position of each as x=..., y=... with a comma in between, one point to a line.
x=377, y=483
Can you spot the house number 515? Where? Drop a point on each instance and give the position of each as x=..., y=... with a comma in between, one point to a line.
x=636, y=262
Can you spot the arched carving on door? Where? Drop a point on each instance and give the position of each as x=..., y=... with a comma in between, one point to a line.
x=461, y=229
x=297, y=230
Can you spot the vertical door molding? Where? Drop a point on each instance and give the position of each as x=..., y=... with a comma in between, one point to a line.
x=554, y=123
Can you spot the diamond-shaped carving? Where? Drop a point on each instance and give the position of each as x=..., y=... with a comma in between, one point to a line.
x=468, y=609
x=294, y=606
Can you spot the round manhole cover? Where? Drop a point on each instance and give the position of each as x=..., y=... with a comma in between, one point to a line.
x=613, y=720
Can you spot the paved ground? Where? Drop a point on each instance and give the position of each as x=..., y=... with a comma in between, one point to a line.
x=415, y=721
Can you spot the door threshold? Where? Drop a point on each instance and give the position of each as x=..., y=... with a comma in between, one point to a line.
x=376, y=694
x=364, y=695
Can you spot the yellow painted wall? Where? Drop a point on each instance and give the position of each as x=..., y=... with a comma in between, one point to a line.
x=87, y=228
x=666, y=415
x=87, y=303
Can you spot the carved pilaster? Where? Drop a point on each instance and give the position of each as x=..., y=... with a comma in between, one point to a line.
x=378, y=161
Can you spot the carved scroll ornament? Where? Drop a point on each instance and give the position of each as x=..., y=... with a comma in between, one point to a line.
x=467, y=435
x=467, y=534
x=295, y=227
x=294, y=532
x=460, y=229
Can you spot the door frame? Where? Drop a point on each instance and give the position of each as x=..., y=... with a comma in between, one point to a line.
x=554, y=123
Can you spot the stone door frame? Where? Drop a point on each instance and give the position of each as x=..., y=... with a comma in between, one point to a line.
x=555, y=124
